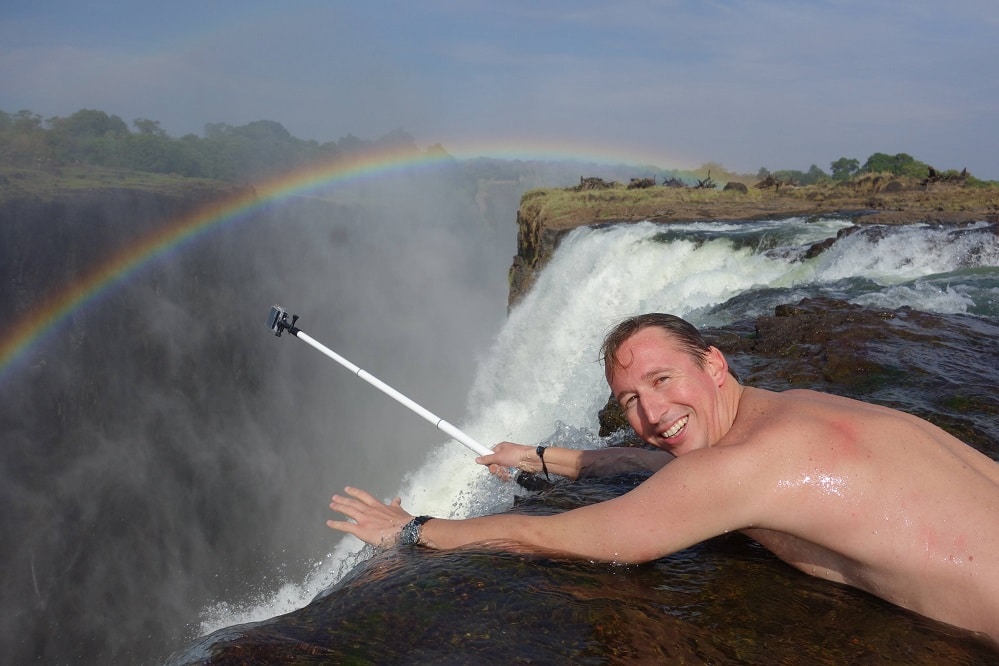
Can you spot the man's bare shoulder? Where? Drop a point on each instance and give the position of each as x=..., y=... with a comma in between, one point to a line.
x=764, y=414
x=820, y=428
x=783, y=432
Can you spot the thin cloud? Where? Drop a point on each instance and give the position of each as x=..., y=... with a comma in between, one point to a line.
x=788, y=84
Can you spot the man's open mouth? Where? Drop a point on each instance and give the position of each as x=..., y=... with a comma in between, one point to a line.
x=676, y=428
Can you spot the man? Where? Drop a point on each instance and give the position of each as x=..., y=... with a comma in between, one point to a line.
x=840, y=489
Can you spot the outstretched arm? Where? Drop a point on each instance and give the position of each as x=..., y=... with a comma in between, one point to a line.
x=573, y=463
x=679, y=506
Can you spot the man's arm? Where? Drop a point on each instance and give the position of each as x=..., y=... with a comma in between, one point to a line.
x=618, y=459
x=573, y=463
x=684, y=503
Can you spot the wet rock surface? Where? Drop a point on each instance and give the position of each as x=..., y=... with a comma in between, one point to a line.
x=723, y=601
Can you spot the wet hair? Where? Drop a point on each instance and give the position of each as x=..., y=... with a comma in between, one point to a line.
x=683, y=333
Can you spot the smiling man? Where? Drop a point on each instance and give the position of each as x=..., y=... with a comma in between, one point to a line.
x=840, y=489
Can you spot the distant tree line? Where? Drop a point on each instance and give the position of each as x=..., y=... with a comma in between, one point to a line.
x=264, y=148
x=236, y=154
x=846, y=168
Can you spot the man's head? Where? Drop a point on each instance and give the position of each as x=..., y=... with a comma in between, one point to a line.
x=675, y=389
x=683, y=333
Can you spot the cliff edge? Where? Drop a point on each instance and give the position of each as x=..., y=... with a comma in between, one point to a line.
x=546, y=215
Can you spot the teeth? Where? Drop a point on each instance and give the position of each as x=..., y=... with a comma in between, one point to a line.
x=677, y=427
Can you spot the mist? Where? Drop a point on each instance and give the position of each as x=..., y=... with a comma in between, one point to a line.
x=164, y=452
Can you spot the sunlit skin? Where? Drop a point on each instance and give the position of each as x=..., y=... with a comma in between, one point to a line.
x=843, y=490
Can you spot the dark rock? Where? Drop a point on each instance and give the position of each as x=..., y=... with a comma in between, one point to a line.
x=641, y=183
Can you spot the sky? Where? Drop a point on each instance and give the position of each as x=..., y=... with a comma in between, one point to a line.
x=780, y=84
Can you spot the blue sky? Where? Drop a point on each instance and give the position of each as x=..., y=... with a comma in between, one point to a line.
x=771, y=83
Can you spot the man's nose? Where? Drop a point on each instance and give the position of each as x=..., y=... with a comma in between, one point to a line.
x=653, y=408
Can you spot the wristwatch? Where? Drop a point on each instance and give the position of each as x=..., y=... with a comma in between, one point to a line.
x=410, y=534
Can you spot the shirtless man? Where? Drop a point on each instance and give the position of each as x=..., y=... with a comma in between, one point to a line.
x=840, y=489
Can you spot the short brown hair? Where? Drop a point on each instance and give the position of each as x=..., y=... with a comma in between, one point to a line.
x=683, y=333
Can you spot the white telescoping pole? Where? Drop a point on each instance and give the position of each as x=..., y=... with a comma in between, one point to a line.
x=440, y=423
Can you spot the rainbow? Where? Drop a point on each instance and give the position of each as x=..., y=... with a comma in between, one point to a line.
x=30, y=329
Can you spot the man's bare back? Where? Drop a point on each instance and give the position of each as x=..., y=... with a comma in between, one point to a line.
x=851, y=492
x=876, y=499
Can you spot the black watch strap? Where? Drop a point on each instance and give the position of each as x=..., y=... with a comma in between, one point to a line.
x=411, y=531
x=541, y=454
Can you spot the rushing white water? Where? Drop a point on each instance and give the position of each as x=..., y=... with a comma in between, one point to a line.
x=542, y=380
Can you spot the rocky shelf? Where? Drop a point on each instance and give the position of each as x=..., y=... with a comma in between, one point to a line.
x=546, y=215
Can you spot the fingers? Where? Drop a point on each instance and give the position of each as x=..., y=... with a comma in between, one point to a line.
x=505, y=458
x=496, y=468
x=500, y=471
x=362, y=495
x=347, y=506
x=368, y=518
x=357, y=505
x=342, y=526
x=358, y=500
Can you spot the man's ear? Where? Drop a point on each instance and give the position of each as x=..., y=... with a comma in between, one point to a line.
x=716, y=364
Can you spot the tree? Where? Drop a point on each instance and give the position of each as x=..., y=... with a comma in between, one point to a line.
x=899, y=164
x=844, y=168
x=147, y=126
x=87, y=136
x=23, y=140
x=814, y=175
x=26, y=121
x=264, y=130
x=90, y=124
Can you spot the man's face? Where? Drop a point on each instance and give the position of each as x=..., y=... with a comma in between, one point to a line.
x=669, y=399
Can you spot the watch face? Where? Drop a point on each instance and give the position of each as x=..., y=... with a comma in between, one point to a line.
x=410, y=534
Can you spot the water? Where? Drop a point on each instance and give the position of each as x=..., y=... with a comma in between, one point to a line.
x=541, y=382
x=167, y=463
x=163, y=454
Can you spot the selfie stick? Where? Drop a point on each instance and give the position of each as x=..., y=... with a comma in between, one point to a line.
x=277, y=321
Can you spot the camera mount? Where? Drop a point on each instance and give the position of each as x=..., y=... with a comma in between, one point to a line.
x=277, y=321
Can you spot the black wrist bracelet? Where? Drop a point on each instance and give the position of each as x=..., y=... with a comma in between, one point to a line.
x=411, y=531
x=544, y=468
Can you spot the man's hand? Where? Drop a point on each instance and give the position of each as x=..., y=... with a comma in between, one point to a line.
x=375, y=522
x=507, y=456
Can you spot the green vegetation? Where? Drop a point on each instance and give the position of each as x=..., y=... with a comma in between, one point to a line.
x=846, y=169
x=235, y=154
x=898, y=165
x=264, y=148
x=811, y=177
